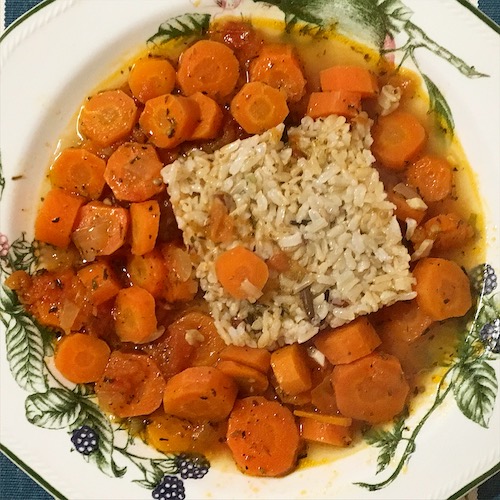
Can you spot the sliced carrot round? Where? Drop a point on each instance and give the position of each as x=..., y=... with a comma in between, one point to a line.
x=133, y=172
x=210, y=120
x=443, y=289
x=100, y=229
x=257, y=107
x=397, y=139
x=209, y=67
x=200, y=393
x=169, y=120
x=135, y=317
x=78, y=171
x=238, y=267
x=373, y=388
x=81, y=358
x=57, y=216
x=278, y=66
x=107, y=117
x=432, y=176
x=263, y=437
x=151, y=77
x=131, y=385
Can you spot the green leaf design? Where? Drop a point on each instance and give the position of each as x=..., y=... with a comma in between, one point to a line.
x=396, y=14
x=292, y=23
x=20, y=257
x=362, y=19
x=92, y=416
x=24, y=344
x=475, y=388
x=439, y=105
x=387, y=441
x=54, y=409
x=152, y=469
x=186, y=25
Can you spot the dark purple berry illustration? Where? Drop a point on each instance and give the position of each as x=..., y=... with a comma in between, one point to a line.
x=169, y=488
x=483, y=279
x=192, y=466
x=85, y=439
x=490, y=335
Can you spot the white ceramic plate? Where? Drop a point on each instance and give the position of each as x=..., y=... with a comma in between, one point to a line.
x=55, y=56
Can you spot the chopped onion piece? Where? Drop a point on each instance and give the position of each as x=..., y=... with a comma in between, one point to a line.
x=69, y=312
x=416, y=203
x=250, y=290
x=411, y=225
x=194, y=337
x=181, y=264
x=406, y=191
x=423, y=250
x=317, y=355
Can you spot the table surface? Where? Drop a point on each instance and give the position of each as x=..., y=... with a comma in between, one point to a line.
x=14, y=483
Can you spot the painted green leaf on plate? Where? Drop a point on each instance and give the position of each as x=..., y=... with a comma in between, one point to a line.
x=475, y=390
x=54, y=409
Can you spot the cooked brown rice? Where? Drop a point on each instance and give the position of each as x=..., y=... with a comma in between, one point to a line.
x=322, y=202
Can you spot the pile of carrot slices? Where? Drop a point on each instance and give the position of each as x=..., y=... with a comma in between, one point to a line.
x=122, y=289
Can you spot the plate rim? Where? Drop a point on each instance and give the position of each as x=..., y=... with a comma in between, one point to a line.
x=20, y=462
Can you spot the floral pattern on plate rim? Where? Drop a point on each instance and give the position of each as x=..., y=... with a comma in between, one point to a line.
x=470, y=377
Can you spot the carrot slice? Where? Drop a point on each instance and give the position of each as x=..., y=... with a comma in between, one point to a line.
x=221, y=223
x=397, y=138
x=100, y=229
x=404, y=321
x=403, y=211
x=180, y=283
x=323, y=432
x=327, y=419
x=291, y=369
x=169, y=120
x=432, y=177
x=171, y=434
x=257, y=107
x=443, y=288
x=131, y=385
x=448, y=231
x=171, y=352
x=373, y=388
x=148, y=271
x=323, y=398
x=278, y=66
x=200, y=331
x=56, y=217
x=78, y=171
x=250, y=381
x=107, y=117
x=100, y=281
x=134, y=315
x=200, y=393
x=151, y=77
x=260, y=359
x=133, y=172
x=241, y=272
x=210, y=120
x=209, y=67
x=350, y=79
x=263, y=437
x=338, y=102
x=144, y=226
x=81, y=358
x=348, y=342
